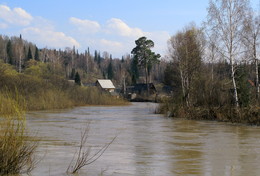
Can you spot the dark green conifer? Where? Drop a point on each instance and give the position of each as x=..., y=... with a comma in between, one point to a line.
x=110, y=72
x=36, y=56
x=9, y=52
x=77, y=79
x=29, y=55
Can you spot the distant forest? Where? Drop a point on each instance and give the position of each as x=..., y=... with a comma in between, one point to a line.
x=91, y=66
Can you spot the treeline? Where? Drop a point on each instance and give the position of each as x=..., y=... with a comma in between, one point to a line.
x=214, y=69
x=90, y=66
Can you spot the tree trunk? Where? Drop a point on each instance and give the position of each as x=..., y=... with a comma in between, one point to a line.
x=146, y=80
x=184, y=84
x=256, y=72
x=124, y=85
x=234, y=82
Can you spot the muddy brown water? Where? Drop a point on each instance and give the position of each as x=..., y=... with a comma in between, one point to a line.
x=147, y=144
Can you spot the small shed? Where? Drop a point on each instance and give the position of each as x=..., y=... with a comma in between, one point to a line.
x=105, y=84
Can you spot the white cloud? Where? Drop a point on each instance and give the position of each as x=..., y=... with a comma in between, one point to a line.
x=117, y=26
x=17, y=16
x=49, y=38
x=113, y=47
x=42, y=23
x=85, y=26
x=116, y=36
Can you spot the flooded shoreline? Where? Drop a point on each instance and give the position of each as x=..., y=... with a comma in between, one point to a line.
x=147, y=143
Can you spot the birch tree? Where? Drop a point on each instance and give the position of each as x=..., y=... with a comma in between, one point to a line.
x=19, y=48
x=225, y=20
x=186, y=49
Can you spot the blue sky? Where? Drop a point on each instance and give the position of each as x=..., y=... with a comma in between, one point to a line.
x=104, y=25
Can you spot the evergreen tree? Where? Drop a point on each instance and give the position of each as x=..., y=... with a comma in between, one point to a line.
x=122, y=60
x=96, y=56
x=134, y=71
x=110, y=73
x=77, y=79
x=29, y=55
x=9, y=52
x=143, y=55
x=36, y=56
x=99, y=59
x=243, y=87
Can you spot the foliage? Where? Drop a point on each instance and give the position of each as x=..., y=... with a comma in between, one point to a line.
x=143, y=55
x=14, y=50
x=36, y=55
x=110, y=72
x=29, y=55
x=77, y=79
x=216, y=83
x=16, y=148
x=41, y=90
x=186, y=51
x=134, y=71
x=9, y=52
x=226, y=20
x=243, y=86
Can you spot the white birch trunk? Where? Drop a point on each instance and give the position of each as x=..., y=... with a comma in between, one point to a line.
x=234, y=82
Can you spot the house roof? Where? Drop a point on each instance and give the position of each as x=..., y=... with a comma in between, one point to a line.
x=106, y=83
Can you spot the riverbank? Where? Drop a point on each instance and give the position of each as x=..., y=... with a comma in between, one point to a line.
x=242, y=115
x=39, y=88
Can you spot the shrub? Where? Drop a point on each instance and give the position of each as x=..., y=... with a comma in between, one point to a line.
x=16, y=147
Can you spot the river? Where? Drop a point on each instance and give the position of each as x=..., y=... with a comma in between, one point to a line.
x=147, y=144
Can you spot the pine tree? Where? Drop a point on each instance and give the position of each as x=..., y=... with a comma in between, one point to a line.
x=134, y=71
x=110, y=73
x=96, y=56
x=77, y=79
x=9, y=52
x=143, y=55
x=29, y=55
x=36, y=56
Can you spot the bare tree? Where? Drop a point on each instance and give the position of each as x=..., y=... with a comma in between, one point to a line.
x=83, y=156
x=19, y=50
x=225, y=20
x=251, y=39
x=186, y=50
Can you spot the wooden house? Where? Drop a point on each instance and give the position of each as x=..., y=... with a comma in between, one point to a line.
x=106, y=85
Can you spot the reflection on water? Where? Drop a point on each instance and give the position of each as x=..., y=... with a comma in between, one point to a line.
x=147, y=144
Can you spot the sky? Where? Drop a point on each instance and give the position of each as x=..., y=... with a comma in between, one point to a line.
x=103, y=25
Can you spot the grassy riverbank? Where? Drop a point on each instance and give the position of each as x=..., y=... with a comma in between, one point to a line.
x=41, y=89
x=249, y=115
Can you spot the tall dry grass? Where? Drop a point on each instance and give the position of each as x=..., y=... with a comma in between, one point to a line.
x=16, y=147
x=93, y=96
x=42, y=90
